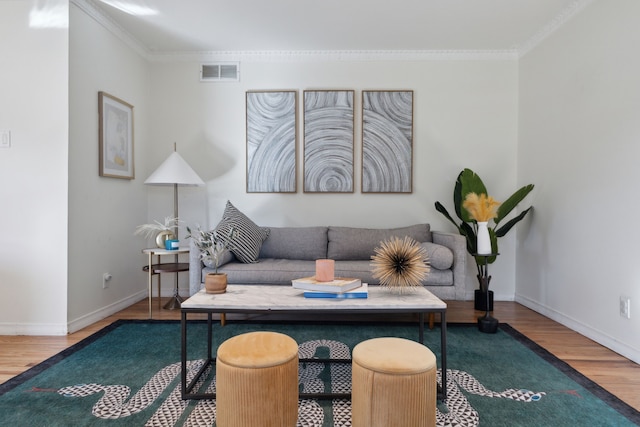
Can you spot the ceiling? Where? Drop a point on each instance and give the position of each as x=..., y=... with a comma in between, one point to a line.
x=189, y=26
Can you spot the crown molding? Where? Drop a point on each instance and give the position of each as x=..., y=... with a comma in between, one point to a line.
x=336, y=55
x=569, y=12
x=89, y=8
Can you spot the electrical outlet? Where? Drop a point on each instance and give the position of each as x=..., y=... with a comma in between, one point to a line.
x=106, y=277
x=5, y=139
x=625, y=307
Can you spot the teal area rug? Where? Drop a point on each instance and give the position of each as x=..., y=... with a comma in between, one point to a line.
x=129, y=375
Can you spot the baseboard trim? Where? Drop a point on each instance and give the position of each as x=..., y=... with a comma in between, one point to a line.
x=470, y=296
x=48, y=329
x=583, y=329
x=95, y=316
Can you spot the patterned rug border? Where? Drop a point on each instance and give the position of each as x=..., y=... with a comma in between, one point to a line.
x=614, y=402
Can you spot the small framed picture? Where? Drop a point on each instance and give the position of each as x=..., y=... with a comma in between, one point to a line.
x=115, y=136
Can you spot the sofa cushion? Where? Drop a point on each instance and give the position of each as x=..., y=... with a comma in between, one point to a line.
x=350, y=243
x=248, y=236
x=305, y=243
x=267, y=271
x=363, y=271
x=440, y=257
x=270, y=271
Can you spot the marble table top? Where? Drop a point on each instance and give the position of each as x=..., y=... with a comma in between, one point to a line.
x=286, y=298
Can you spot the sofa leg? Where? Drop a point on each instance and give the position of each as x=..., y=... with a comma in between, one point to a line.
x=432, y=320
x=223, y=319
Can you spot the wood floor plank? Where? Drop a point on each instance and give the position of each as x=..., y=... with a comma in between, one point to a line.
x=614, y=373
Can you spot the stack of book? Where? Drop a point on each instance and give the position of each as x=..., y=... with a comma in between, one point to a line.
x=338, y=288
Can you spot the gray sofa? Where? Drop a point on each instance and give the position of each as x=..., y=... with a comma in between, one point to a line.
x=290, y=253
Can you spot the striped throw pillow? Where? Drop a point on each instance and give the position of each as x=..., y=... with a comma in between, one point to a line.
x=248, y=236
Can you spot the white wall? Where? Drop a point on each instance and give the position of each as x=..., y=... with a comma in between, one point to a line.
x=465, y=115
x=33, y=97
x=579, y=142
x=103, y=212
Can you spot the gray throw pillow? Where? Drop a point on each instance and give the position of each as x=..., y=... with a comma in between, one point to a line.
x=248, y=236
x=440, y=257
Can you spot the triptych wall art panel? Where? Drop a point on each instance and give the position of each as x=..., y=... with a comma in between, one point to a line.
x=387, y=141
x=328, y=141
x=271, y=141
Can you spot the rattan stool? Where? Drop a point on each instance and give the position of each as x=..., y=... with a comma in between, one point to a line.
x=393, y=384
x=257, y=381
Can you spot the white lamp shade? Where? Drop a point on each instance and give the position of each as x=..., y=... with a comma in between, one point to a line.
x=174, y=170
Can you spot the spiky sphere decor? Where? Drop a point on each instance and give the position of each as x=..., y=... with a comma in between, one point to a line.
x=400, y=263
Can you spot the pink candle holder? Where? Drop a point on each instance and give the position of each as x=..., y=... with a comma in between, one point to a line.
x=325, y=270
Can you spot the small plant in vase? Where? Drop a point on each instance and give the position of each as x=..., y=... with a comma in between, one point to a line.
x=161, y=231
x=212, y=247
x=482, y=209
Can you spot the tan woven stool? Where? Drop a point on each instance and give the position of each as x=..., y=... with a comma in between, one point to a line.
x=257, y=381
x=393, y=384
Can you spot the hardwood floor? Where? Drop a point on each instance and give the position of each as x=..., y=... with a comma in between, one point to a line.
x=613, y=372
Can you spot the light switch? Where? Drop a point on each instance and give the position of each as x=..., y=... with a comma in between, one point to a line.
x=5, y=139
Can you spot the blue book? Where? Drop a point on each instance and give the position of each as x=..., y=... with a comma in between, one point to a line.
x=361, y=292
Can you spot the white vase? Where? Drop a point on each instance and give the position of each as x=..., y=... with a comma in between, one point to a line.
x=484, y=241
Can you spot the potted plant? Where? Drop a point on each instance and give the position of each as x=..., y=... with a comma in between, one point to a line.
x=212, y=245
x=469, y=182
x=161, y=231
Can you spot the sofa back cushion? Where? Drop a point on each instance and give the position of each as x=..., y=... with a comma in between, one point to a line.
x=350, y=243
x=303, y=243
x=440, y=257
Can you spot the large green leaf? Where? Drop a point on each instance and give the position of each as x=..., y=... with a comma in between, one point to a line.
x=468, y=182
x=508, y=205
x=467, y=231
x=440, y=208
x=506, y=227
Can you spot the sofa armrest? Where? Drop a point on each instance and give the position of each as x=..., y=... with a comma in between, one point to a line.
x=195, y=268
x=458, y=245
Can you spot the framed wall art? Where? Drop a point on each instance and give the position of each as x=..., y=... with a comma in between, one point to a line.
x=271, y=141
x=115, y=137
x=328, y=141
x=387, y=141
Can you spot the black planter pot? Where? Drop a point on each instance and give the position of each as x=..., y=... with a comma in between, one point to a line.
x=480, y=300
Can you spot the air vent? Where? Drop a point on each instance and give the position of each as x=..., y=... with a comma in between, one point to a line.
x=220, y=72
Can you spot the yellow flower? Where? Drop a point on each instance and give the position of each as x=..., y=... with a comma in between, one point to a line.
x=482, y=208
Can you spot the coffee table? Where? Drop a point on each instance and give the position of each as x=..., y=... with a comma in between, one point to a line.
x=260, y=299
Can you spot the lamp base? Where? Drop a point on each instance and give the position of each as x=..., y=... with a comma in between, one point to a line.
x=174, y=303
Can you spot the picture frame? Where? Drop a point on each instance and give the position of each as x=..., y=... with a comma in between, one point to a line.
x=115, y=137
x=272, y=118
x=387, y=141
x=328, y=141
